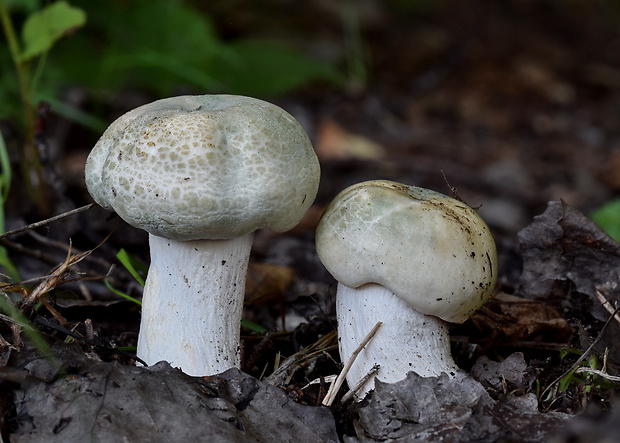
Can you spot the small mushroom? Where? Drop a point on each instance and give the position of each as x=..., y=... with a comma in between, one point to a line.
x=412, y=259
x=201, y=174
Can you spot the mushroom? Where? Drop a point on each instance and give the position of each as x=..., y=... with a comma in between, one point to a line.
x=200, y=174
x=412, y=259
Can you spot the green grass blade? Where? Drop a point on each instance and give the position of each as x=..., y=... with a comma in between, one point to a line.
x=121, y=294
x=5, y=167
x=131, y=264
x=29, y=330
x=5, y=187
x=75, y=114
x=254, y=327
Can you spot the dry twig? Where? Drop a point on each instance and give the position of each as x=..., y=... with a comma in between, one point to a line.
x=607, y=304
x=56, y=277
x=335, y=387
x=46, y=221
x=605, y=375
x=355, y=389
x=284, y=373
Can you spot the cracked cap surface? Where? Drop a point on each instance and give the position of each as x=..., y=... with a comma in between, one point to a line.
x=205, y=167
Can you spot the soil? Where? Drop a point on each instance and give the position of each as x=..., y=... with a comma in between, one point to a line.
x=511, y=106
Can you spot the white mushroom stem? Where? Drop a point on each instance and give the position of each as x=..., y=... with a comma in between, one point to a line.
x=407, y=340
x=193, y=303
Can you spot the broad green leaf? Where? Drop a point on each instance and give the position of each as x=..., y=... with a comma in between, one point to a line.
x=23, y=5
x=608, y=219
x=43, y=28
x=256, y=67
x=154, y=45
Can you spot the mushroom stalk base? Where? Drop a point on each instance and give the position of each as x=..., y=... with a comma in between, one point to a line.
x=193, y=303
x=407, y=340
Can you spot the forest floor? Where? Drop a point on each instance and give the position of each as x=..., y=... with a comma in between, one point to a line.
x=513, y=106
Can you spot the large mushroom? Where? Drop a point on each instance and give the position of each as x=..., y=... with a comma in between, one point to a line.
x=201, y=174
x=412, y=259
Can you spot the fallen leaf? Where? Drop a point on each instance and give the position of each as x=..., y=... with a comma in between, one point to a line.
x=507, y=318
x=335, y=143
x=563, y=245
x=570, y=263
x=450, y=410
x=266, y=282
x=510, y=372
x=100, y=401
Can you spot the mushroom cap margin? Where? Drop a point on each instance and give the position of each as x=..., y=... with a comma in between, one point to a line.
x=431, y=250
x=205, y=167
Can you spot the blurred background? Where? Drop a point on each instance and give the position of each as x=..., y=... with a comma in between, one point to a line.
x=514, y=103
x=508, y=104
x=518, y=96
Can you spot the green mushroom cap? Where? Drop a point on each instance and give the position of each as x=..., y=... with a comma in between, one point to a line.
x=431, y=250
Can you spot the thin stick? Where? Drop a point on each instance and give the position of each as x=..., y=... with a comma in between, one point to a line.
x=373, y=371
x=605, y=375
x=607, y=304
x=46, y=221
x=335, y=387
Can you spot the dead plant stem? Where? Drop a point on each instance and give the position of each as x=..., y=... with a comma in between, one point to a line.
x=47, y=221
x=335, y=387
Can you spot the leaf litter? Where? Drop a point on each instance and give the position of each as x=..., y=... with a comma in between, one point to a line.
x=91, y=388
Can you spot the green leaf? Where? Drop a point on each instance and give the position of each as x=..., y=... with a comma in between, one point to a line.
x=144, y=51
x=254, y=327
x=30, y=331
x=43, y=28
x=120, y=293
x=5, y=185
x=608, y=219
x=566, y=381
x=5, y=174
x=22, y=5
x=131, y=264
x=74, y=113
x=256, y=67
x=593, y=362
x=569, y=351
